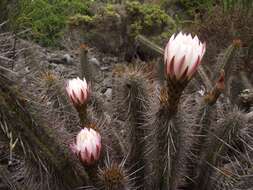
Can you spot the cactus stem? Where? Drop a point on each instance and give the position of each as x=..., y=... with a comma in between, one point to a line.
x=85, y=67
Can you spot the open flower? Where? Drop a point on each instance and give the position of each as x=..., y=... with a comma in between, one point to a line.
x=87, y=146
x=78, y=91
x=183, y=54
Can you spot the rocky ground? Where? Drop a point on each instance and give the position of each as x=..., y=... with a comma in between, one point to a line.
x=65, y=63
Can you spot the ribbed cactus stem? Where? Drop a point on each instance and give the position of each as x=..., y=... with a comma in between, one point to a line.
x=229, y=55
x=40, y=139
x=93, y=173
x=178, y=160
x=132, y=101
x=82, y=112
x=207, y=109
x=168, y=136
x=220, y=140
x=150, y=44
x=166, y=149
x=85, y=67
x=214, y=94
x=227, y=63
x=225, y=135
x=136, y=92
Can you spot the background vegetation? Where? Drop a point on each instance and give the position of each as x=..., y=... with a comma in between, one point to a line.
x=47, y=19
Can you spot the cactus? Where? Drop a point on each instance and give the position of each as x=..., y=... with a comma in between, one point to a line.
x=85, y=67
x=132, y=99
x=114, y=176
x=39, y=141
x=173, y=138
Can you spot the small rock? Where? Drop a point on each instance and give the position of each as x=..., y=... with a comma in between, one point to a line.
x=104, y=68
x=68, y=58
x=60, y=59
x=94, y=61
x=27, y=69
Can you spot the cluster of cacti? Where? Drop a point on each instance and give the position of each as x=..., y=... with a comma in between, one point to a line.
x=174, y=135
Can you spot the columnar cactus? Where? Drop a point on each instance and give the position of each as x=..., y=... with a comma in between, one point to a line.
x=169, y=137
x=132, y=100
x=182, y=56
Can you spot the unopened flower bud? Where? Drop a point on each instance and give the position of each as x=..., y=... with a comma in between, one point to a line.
x=182, y=55
x=78, y=91
x=88, y=146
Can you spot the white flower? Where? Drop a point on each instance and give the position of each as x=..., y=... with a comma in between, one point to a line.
x=88, y=146
x=182, y=55
x=78, y=91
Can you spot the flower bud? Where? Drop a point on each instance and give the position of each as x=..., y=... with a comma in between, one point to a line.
x=87, y=146
x=78, y=91
x=182, y=55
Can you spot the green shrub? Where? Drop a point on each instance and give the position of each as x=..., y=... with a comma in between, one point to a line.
x=147, y=18
x=47, y=19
